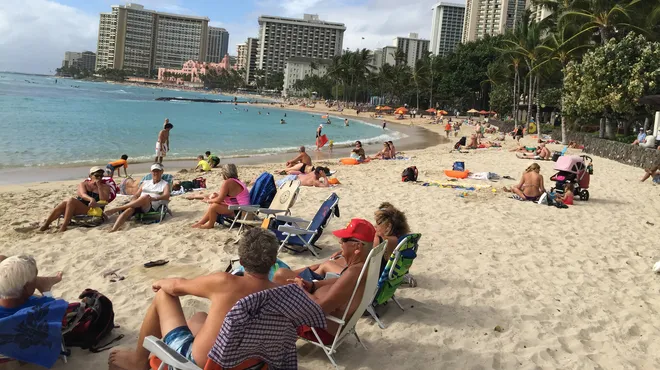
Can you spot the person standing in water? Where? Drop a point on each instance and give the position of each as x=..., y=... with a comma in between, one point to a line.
x=384, y=124
x=318, y=136
x=346, y=122
x=163, y=143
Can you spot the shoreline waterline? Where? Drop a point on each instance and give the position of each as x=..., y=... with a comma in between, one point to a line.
x=415, y=137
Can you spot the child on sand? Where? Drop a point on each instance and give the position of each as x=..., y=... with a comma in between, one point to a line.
x=117, y=165
x=202, y=165
x=567, y=197
x=213, y=160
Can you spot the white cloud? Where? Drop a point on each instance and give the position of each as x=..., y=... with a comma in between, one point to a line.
x=34, y=34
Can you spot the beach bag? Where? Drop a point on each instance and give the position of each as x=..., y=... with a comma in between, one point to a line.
x=199, y=183
x=461, y=142
x=409, y=174
x=458, y=166
x=93, y=318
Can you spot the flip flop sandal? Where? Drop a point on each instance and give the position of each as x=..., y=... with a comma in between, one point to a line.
x=155, y=263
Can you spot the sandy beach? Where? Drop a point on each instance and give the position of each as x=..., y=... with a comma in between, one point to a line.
x=570, y=288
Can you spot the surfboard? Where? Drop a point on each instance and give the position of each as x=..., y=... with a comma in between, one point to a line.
x=321, y=141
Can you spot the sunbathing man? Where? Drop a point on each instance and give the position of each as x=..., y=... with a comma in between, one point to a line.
x=531, y=185
x=19, y=281
x=333, y=294
x=149, y=196
x=194, y=338
x=301, y=163
x=90, y=192
x=542, y=153
x=316, y=178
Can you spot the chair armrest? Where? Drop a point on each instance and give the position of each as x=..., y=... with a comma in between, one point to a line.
x=269, y=211
x=291, y=219
x=248, y=208
x=332, y=318
x=167, y=355
x=294, y=230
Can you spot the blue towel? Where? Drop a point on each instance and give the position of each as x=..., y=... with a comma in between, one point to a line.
x=34, y=334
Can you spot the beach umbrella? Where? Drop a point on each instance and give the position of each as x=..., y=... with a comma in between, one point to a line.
x=431, y=110
x=473, y=111
x=379, y=107
x=443, y=112
x=386, y=108
x=483, y=112
x=401, y=110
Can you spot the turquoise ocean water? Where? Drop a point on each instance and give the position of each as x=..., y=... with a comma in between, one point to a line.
x=47, y=124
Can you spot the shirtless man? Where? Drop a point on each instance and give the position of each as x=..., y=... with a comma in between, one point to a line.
x=531, y=185
x=301, y=163
x=317, y=178
x=89, y=192
x=163, y=143
x=194, y=338
x=542, y=153
x=333, y=294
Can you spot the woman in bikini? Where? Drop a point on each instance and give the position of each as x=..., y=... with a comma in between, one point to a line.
x=232, y=192
x=531, y=184
x=385, y=153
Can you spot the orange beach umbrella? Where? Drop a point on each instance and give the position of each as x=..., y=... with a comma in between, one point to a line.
x=431, y=110
x=443, y=112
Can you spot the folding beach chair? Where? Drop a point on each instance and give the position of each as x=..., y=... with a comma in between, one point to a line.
x=156, y=215
x=259, y=328
x=293, y=233
x=393, y=275
x=261, y=195
x=282, y=202
x=370, y=273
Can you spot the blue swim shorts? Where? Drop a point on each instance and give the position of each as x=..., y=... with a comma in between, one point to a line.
x=181, y=340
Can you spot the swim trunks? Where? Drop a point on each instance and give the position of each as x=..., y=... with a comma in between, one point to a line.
x=91, y=194
x=533, y=199
x=302, y=169
x=161, y=149
x=181, y=339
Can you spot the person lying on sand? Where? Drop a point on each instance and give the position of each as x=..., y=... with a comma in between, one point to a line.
x=316, y=178
x=151, y=195
x=524, y=149
x=542, y=153
x=333, y=294
x=19, y=281
x=301, y=163
x=232, y=192
x=90, y=192
x=193, y=338
x=531, y=185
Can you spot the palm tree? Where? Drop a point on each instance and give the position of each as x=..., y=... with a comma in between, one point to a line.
x=419, y=72
x=605, y=16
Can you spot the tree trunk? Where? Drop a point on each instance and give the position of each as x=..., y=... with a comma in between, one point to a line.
x=564, y=140
x=610, y=128
x=646, y=124
x=515, y=99
x=601, y=130
x=529, y=102
x=538, y=107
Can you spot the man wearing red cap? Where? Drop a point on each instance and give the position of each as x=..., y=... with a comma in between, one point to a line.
x=332, y=295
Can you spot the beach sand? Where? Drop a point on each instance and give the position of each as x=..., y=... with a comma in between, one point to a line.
x=570, y=288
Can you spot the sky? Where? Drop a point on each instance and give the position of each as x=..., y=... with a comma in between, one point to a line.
x=34, y=34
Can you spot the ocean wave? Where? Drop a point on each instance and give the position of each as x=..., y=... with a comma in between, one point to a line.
x=120, y=91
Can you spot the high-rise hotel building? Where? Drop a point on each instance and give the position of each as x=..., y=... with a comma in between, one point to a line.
x=446, y=27
x=283, y=38
x=218, y=44
x=490, y=17
x=138, y=39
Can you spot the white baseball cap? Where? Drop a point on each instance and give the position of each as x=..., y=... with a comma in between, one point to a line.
x=157, y=167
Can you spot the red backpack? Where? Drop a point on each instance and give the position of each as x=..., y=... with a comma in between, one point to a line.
x=87, y=322
x=409, y=174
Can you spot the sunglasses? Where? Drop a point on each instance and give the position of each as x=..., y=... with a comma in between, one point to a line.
x=97, y=174
x=346, y=240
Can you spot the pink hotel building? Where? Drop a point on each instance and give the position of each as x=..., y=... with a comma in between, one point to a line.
x=192, y=68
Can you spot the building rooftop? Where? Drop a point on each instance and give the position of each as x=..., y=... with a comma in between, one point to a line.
x=444, y=3
x=141, y=8
x=308, y=20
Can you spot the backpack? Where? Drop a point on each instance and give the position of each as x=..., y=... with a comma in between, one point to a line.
x=89, y=321
x=187, y=185
x=409, y=174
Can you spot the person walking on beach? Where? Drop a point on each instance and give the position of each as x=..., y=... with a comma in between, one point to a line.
x=318, y=136
x=163, y=143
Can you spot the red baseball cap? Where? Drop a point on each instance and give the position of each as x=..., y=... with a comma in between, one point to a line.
x=359, y=229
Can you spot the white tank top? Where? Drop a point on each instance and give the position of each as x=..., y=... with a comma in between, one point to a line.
x=154, y=190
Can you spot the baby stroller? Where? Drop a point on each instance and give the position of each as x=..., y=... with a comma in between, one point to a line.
x=573, y=169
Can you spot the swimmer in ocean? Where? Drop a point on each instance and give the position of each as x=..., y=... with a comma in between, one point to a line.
x=282, y=121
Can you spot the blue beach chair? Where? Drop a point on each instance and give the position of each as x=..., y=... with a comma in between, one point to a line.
x=293, y=234
x=156, y=215
x=261, y=195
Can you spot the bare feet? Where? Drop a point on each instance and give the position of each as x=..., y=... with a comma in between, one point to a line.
x=62, y=228
x=127, y=360
x=44, y=228
x=45, y=283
